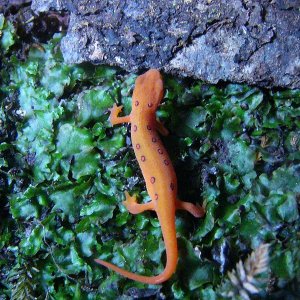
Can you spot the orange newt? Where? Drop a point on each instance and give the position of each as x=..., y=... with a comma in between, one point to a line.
x=157, y=169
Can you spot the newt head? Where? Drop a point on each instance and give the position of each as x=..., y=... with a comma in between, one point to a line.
x=148, y=91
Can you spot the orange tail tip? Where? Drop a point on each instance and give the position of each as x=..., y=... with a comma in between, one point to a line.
x=165, y=275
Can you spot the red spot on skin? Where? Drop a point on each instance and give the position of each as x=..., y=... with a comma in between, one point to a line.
x=166, y=162
x=150, y=104
x=172, y=186
x=143, y=158
x=156, y=196
x=160, y=151
x=138, y=146
x=152, y=180
x=134, y=128
x=148, y=127
x=136, y=103
x=154, y=140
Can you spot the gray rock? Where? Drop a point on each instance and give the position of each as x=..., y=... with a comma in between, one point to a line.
x=255, y=42
x=46, y=5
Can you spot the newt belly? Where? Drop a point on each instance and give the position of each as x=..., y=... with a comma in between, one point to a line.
x=157, y=169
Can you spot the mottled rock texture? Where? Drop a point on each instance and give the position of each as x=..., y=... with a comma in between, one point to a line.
x=256, y=42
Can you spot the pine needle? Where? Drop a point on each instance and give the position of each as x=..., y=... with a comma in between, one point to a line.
x=246, y=279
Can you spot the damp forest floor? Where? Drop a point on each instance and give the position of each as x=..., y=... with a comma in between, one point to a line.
x=64, y=170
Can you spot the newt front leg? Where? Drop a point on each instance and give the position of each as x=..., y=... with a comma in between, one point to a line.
x=114, y=112
x=161, y=128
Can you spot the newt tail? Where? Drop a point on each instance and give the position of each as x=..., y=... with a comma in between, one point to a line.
x=172, y=257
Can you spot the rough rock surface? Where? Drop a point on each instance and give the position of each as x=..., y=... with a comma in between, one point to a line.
x=256, y=42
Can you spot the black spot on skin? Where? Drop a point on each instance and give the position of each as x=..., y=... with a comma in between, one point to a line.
x=160, y=151
x=154, y=140
x=155, y=196
x=172, y=186
x=136, y=103
x=138, y=146
x=148, y=127
x=143, y=158
x=150, y=104
x=166, y=162
x=152, y=180
x=134, y=128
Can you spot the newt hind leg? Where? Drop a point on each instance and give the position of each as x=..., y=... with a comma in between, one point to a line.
x=196, y=210
x=134, y=207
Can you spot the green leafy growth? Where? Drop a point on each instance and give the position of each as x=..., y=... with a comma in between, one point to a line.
x=21, y=283
x=7, y=34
